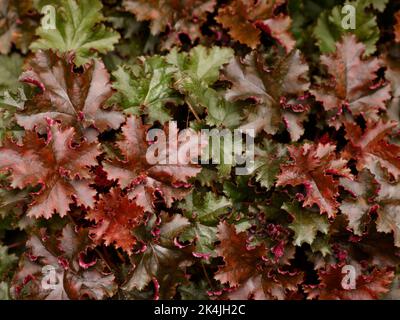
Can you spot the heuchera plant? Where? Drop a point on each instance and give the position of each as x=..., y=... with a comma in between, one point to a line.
x=84, y=215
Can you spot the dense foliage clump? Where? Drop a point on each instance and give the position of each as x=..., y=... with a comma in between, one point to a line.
x=83, y=214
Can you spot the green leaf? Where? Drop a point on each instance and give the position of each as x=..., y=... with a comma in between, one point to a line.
x=326, y=33
x=207, y=207
x=321, y=244
x=12, y=94
x=204, y=236
x=10, y=70
x=194, y=291
x=12, y=99
x=207, y=177
x=379, y=5
x=7, y=261
x=145, y=88
x=243, y=196
x=303, y=14
x=200, y=64
x=238, y=190
x=78, y=29
x=329, y=28
x=219, y=111
x=195, y=72
x=306, y=223
x=4, y=291
x=10, y=201
x=220, y=151
x=204, y=211
x=268, y=159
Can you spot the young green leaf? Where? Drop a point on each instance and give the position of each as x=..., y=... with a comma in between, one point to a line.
x=79, y=28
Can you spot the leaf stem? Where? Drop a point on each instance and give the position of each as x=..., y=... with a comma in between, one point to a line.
x=194, y=112
x=206, y=275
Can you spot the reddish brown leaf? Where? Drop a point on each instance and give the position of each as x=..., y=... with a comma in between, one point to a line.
x=182, y=16
x=279, y=28
x=388, y=200
x=8, y=25
x=368, y=285
x=279, y=89
x=116, y=216
x=71, y=97
x=160, y=259
x=372, y=146
x=359, y=205
x=278, y=285
x=314, y=166
x=52, y=269
x=352, y=82
x=240, y=260
x=397, y=27
x=393, y=75
x=248, y=270
x=245, y=18
x=235, y=17
x=143, y=179
x=58, y=165
x=17, y=25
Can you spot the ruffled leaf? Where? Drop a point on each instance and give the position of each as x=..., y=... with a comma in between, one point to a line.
x=314, y=167
x=115, y=216
x=73, y=98
x=168, y=175
x=51, y=270
x=278, y=91
x=59, y=166
x=352, y=85
x=79, y=29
